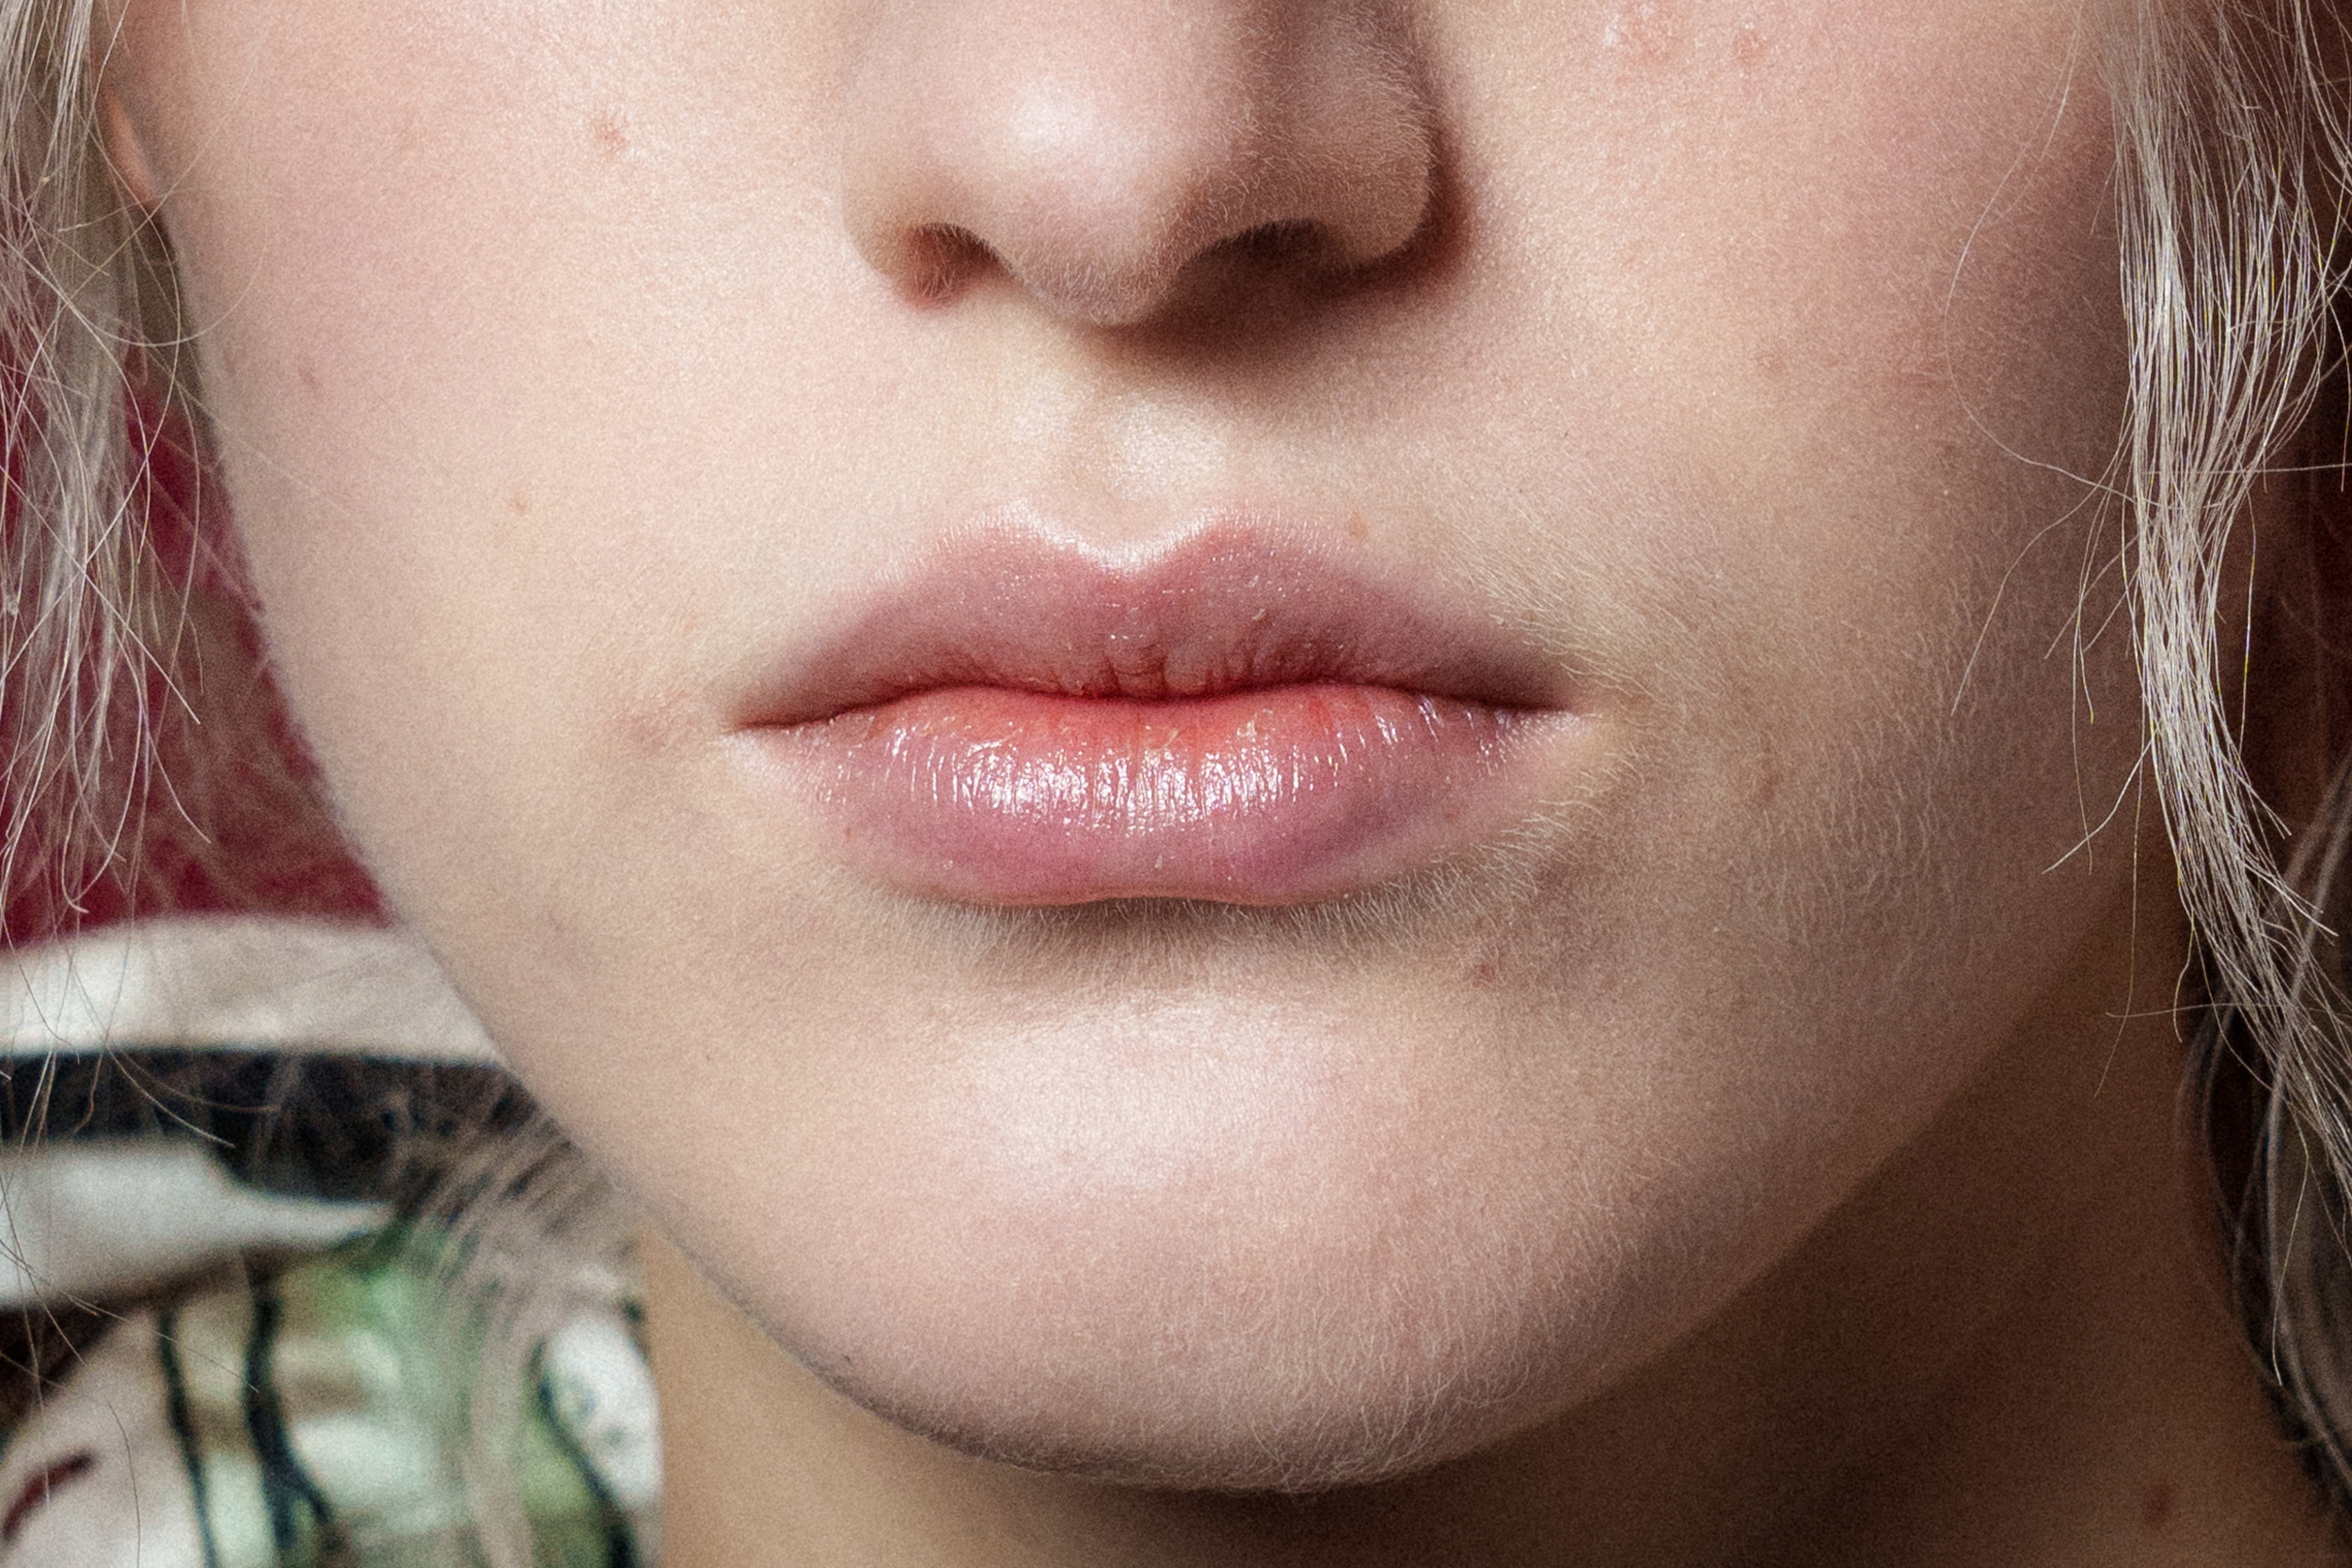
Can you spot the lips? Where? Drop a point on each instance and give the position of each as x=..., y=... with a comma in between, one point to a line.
x=1240, y=717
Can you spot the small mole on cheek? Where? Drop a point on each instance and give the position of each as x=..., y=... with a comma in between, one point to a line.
x=2155, y=1510
x=1358, y=529
x=519, y=501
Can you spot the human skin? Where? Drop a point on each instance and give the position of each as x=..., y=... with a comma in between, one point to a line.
x=1747, y=1129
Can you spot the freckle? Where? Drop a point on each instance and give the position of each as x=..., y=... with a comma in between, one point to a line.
x=519, y=501
x=1748, y=46
x=307, y=372
x=1358, y=529
x=611, y=136
x=1647, y=30
x=2155, y=1510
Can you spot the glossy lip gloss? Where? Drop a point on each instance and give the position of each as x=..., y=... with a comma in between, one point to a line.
x=1018, y=721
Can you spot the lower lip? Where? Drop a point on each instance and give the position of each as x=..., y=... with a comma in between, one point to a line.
x=1280, y=795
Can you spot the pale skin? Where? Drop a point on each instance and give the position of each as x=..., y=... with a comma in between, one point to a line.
x=1767, y=1151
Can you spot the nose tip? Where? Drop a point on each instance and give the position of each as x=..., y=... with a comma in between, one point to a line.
x=1101, y=153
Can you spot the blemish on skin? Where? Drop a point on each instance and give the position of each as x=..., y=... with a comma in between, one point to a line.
x=1645, y=31
x=307, y=372
x=1358, y=529
x=653, y=725
x=611, y=134
x=1748, y=45
x=519, y=501
x=2155, y=1509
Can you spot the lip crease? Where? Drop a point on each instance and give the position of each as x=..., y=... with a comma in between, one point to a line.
x=1248, y=715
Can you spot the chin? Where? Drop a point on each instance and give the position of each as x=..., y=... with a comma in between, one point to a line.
x=1322, y=1396
x=1325, y=1315
x=1262, y=1448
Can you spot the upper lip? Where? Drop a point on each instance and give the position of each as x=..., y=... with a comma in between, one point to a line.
x=1232, y=605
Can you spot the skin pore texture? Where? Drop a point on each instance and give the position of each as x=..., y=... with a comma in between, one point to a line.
x=1758, y=1143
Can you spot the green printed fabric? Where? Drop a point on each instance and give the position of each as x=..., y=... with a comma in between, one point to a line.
x=315, y=1416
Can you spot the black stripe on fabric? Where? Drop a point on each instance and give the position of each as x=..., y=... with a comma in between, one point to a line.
x=303, y=1123
x=620, y=1542
x=182, y=1422
x=287, y=1489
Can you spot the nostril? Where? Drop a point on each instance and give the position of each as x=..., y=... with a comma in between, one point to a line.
x=1289, y=240
x=1304, y=251
x=1113, y=162
x=938, y=259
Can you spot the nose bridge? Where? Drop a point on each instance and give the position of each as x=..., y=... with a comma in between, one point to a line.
x=1096, y=150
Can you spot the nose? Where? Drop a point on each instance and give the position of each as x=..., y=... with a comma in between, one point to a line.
x=1101, y=152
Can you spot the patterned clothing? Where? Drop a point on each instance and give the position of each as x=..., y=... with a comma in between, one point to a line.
x=228, y=1351
x=314, y=1416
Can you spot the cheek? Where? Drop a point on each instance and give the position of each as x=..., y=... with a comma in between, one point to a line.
x=1827, y=375
x=479, y=429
